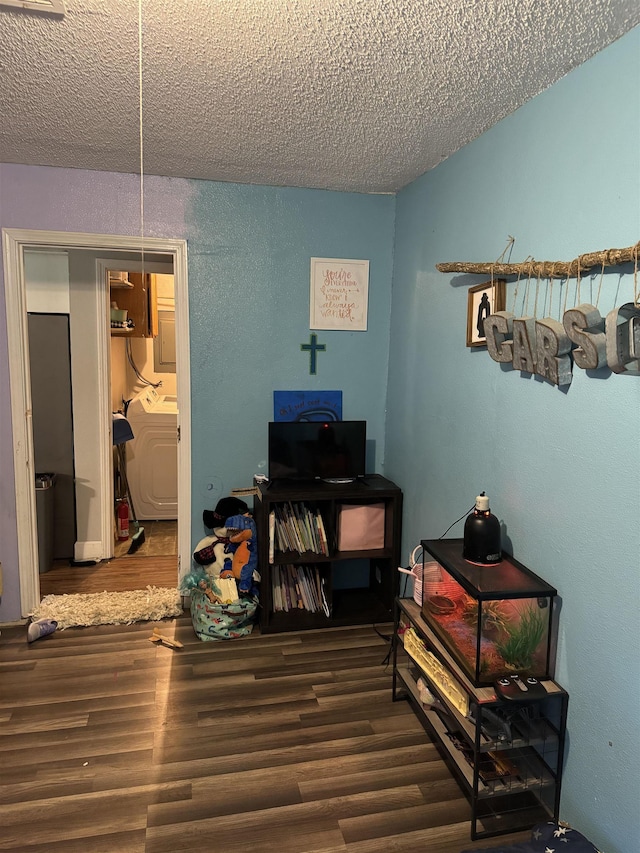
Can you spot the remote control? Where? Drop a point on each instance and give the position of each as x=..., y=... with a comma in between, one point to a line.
x=519, y=689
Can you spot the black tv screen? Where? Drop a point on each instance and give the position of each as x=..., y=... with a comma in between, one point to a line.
x=312, y=450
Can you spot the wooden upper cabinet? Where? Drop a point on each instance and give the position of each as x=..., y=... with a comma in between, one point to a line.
x=140, y=303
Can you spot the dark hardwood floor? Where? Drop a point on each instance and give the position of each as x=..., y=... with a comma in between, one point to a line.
x=285, y=743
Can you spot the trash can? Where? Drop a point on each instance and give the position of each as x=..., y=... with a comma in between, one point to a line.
x=45, y=505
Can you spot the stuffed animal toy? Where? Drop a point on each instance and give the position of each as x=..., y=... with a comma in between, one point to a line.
x=212, y=550
x=243, y=547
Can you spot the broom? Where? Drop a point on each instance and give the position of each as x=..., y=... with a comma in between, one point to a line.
x=138, y=537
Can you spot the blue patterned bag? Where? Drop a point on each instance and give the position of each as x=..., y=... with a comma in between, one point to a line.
x=546, y=838
x=221, y=621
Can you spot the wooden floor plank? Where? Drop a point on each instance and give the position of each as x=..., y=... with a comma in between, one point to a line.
x=118, y=575
x=211, y=742
x=298, y=818
x=378, y=779
x=437, y=839
x=122, y=842
x=407, y=816
x=205, y=836
x=280, y=744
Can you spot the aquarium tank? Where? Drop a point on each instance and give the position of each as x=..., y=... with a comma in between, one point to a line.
x=493, y=620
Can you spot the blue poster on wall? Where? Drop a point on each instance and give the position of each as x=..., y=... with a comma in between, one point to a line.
x=307, y=405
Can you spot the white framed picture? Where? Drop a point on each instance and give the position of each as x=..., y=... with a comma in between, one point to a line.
x=339, y=294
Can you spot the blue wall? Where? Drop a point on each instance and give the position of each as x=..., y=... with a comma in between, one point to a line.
x=249, y=251
x=249, y=268
x=562, y=467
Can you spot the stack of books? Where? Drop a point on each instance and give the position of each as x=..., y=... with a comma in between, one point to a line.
x=297, y=527
x=298, y=588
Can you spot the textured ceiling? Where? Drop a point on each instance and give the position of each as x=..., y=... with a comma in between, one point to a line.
x=360, y=95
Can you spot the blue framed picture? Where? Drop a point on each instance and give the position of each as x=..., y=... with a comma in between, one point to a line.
x=307, y=405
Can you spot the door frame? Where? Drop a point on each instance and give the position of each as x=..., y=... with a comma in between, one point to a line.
x=15, y=241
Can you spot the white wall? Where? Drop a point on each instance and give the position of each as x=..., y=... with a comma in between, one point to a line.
x=87, y=313
x=46, y=277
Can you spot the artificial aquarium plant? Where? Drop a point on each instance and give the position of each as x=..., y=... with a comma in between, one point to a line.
x=494, y=614
x=522, y=639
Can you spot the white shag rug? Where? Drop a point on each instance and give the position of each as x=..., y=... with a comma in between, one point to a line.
x=110, y=608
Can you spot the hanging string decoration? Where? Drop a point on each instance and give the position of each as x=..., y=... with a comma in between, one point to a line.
x=140, y=135
x=549, y=347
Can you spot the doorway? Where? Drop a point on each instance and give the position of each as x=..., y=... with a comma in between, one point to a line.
x=99, y=528
x=144, y=397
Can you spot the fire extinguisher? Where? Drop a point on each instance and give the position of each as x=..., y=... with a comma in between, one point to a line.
x=123, y=519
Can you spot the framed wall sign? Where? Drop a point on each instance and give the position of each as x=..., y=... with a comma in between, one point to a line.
x=483, y=300
x=339, y=294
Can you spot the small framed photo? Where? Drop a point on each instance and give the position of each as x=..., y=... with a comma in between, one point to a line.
x=484, y=299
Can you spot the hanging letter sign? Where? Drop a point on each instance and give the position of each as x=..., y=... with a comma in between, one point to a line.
x=544, y=347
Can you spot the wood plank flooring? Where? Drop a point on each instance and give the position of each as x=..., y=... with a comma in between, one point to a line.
x=118, y=575
x=285, y=743
x=155, y=563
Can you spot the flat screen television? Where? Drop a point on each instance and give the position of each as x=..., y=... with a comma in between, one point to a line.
x=334, y=451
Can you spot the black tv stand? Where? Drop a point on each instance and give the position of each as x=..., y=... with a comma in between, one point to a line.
x=284, y=484
x=347, y=603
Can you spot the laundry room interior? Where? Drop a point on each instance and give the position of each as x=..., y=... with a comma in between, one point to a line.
x=144, y=394
x=82, y=487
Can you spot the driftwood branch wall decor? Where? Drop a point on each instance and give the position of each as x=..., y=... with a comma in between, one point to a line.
x=549, y=347
x=550, y=269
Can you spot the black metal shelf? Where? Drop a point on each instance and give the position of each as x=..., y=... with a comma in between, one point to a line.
x=510, y=773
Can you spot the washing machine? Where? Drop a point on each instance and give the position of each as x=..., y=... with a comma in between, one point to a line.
x=152, y=455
